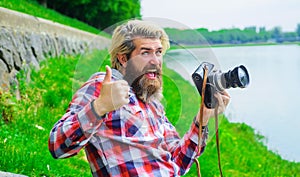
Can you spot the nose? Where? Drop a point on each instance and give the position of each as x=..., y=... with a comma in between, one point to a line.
x=155, y=60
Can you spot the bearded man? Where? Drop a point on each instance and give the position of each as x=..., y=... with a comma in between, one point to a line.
x=117, y=117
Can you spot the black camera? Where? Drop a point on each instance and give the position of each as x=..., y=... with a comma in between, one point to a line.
x=218, y=81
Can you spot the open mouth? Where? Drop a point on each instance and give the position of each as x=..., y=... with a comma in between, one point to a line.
x=151, y=74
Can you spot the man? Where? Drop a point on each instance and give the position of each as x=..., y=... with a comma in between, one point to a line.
x=118, y=119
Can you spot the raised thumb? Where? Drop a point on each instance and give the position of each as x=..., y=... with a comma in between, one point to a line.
x=107, y=77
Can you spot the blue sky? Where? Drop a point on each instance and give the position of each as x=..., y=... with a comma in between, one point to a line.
x=217, y=14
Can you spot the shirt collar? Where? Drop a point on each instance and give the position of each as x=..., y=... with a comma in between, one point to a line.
x=116, y=74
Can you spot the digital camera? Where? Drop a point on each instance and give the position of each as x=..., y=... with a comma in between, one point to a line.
x=218, y=81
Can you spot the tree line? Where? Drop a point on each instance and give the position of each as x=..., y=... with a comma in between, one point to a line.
x=232, y=36
x=97, y=13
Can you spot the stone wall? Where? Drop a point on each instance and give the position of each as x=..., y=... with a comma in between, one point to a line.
x=26, y=40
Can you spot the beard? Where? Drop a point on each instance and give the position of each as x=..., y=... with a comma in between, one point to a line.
x=145, y=89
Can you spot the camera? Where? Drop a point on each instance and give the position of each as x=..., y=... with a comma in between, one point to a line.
x=218, y=81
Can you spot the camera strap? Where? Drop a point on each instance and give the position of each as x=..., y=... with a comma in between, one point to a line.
x=217, y=138
x=201, y=124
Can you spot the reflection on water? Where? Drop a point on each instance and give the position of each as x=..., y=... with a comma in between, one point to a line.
x=270, y=102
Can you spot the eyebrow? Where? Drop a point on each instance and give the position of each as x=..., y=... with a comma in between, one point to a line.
x=146, y=48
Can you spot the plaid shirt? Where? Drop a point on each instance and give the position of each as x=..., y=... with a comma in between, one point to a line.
x=135, y=140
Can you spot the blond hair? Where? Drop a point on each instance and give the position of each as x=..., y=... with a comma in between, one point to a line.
x=123, y=35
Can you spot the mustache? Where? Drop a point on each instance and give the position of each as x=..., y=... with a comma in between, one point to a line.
x=152, y=68
x=132, y=74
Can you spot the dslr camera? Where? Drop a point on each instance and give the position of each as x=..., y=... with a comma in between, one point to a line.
x=218, y=81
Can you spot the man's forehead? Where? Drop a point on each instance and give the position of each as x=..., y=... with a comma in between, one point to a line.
x=147, y=43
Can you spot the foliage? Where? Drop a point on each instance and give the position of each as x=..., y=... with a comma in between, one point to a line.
x=97, y=13
x=298, y=29
x=116, y=11
x=202, y=36
x=23, y=139
x=7, y=107
x=31, y=7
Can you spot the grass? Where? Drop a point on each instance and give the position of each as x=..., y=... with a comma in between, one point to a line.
x=31, y=7
x=23, y=138
x=26, y=124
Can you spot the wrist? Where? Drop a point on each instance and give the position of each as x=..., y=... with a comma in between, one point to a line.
x=205, y=119
x=98, y=107
x=197, y=123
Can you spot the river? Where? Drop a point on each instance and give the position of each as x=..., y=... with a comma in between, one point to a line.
x=270, y=103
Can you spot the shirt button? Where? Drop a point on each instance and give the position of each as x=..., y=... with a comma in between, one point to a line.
x=91, y=124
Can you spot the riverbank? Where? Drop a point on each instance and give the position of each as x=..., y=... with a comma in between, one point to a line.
x=173, y=47
x=263, y=104
x=244, y=148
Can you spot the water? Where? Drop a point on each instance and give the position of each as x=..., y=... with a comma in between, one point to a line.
x=270, y=104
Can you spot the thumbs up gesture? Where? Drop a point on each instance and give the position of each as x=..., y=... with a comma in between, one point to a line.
x=113, y=95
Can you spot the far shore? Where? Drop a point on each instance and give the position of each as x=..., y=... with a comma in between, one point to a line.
x=231, y=45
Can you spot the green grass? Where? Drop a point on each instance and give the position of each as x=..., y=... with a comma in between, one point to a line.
x=26, y=124
x=33, y=8
x=23, y=138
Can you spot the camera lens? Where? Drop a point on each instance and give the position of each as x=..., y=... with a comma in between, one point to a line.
x=243, y=76
x=238, y=77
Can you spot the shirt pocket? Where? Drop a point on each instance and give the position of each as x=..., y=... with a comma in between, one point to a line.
x=132, y=120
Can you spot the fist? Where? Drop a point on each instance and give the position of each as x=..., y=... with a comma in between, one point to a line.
x=113, y=95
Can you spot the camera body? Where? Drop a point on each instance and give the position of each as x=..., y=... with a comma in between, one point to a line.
x=218, y=81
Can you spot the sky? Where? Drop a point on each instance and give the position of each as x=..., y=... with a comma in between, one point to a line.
x=220, y=14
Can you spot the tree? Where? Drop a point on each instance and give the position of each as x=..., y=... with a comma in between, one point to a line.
x=97, y=13
x=298, y=30
x=43, y=2
x=276, y=33
x=263, y=34
x=290, y=36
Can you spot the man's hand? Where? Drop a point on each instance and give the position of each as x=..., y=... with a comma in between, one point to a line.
x=113, y=95
x=223, y=99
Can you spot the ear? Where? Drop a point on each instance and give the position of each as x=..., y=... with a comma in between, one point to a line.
x=122, y=59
